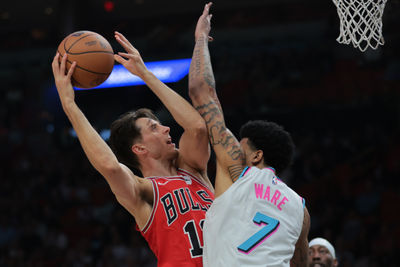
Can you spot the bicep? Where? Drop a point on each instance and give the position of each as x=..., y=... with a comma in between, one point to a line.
x=300, y=256
x=194, y=147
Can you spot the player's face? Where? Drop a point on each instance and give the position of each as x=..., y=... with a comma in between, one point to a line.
x=246, y=151
x=156, y=139
x=319, y=256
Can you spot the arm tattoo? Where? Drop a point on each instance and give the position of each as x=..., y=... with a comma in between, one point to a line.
x=196, y=66
x=208, y=72
x=220, y=136
x=235, y=171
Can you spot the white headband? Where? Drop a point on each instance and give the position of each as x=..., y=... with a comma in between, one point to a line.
x=323, y=242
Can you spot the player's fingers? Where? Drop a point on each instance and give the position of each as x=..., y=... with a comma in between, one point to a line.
x=71, y=70
x=63, y=63
x=55, y=65
x=207, y=7
x=133, y=56
x=120, y=59
x=121, y=42
x=126, y=41
x=127, y=46
x=210, y=39
x=122, y=37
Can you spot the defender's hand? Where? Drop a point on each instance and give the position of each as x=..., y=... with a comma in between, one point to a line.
x=134, y=62
x=63, y=80
x=203, y=26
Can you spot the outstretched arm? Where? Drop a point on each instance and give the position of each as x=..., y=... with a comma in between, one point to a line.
x=194, y=148
x=127, y=187
x=203, y=95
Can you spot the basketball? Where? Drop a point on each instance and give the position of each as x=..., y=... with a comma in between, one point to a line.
x=94, y=58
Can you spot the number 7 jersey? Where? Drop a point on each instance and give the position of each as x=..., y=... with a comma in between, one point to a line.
x=255, y=222
x=174, y=230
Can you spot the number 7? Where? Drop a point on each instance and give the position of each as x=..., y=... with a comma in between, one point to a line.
x=256, y=239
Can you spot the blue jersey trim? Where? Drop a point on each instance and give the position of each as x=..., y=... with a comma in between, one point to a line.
x=304, y=203
x=244, y=170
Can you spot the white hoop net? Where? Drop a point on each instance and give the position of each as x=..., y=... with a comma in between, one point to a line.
x=361, y=22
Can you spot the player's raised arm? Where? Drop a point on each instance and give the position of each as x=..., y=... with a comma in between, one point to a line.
x=124, y=184
x=193, y=147
x=203, y=95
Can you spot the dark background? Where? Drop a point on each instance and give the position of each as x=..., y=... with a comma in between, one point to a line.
x=275, y=60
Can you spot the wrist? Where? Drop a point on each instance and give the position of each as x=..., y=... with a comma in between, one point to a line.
x=146, y=75
x=201, y=37
x=67, y=104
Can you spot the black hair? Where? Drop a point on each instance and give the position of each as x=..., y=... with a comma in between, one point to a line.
x=276, y=143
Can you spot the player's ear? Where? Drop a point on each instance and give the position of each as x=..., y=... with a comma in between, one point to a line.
x=138, y=149
x=257, y=157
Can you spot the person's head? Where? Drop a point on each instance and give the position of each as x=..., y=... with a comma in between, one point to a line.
x=321, y=253
x=139, y=134
x=266, y=143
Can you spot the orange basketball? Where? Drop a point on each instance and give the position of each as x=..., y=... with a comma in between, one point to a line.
x=94, y=58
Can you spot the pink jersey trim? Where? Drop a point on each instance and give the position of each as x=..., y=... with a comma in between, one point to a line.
x=246, y=171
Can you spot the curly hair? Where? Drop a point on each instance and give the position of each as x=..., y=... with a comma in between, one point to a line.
x=276, y=143
x=124, y=132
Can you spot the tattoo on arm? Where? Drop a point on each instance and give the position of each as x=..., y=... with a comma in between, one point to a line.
x=201, y=69
x=235, y=171
x=194, y=70
x=198, y=67
x=220, y=136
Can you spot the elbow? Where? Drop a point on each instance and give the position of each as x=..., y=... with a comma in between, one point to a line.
x=109, y=168
x=200, y=128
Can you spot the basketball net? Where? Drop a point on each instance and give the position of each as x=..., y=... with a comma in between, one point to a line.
x=361, y=22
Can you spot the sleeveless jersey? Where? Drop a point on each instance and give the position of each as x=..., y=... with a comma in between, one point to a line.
x=174, y=230
x=255, y=222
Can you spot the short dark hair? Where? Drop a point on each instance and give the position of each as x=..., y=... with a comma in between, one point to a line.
x=276, y=143
x=124, y=132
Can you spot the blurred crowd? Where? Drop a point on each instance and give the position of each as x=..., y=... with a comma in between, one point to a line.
x=341, y=107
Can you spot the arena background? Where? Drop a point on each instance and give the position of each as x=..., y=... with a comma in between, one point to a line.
x=272, y=59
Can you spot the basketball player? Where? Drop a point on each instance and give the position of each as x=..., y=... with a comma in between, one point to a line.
x=169, y=204
x=321, y=253
x=255, y=220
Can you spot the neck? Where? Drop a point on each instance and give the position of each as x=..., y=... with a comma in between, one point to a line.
x=153, y=167
x=260, y=165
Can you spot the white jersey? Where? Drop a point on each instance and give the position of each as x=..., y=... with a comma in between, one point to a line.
x=256, y=222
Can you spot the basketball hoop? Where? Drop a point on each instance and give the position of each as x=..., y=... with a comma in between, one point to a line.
x=361, y=22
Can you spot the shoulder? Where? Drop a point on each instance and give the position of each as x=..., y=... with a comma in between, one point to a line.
x=200, y=179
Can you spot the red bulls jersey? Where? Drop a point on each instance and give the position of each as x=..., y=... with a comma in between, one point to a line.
x=174, y=230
